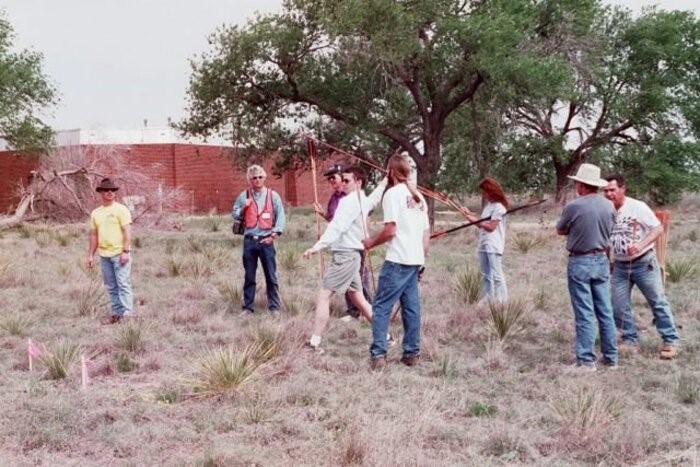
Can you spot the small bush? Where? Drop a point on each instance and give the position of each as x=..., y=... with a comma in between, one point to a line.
x=588, y=412
x=525, y=241
x=505, y=316
x=688, y=389
x=681, y=269
x=130, y=336
x=231, y=295
x=213, y=223
x=124, y=363
x=224, y=370
x=175, y=265
x=15, y=325
x=59, y=358
x=481, y=409
x=91, y=298
x=468, y=285
x=289, y=260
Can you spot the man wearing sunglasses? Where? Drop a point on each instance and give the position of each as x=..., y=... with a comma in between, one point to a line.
x=344, y=237
x=262, y=213
x=110, y=236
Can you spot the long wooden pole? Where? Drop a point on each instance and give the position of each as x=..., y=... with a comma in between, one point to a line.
x=312, y=154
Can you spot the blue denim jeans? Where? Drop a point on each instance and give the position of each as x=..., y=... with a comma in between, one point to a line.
x=589, y=288
x=117, y=279
x=252, y=251
x=492, y=278
x=397, y=282
x=645, y=274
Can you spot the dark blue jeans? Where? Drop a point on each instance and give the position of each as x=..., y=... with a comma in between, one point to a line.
x=252, y=251
x=396, y=282
x=589, y=288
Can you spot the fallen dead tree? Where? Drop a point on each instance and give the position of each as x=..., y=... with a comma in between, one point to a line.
x=62, y=188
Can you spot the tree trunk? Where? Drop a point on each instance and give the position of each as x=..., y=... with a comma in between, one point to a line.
x=428, y=169
x=20, y=213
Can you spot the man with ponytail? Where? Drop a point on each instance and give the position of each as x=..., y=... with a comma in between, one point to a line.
x=407, y=233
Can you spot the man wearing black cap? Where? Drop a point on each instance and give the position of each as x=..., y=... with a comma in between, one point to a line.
x=110, y=236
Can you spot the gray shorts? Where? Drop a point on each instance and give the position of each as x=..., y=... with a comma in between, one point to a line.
x=344, y=272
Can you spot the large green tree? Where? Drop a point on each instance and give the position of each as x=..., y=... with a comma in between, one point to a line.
x=380, y=75
x=25, y=92
x=633, y=94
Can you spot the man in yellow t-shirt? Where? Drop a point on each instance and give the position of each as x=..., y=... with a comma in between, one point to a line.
x=110, y=236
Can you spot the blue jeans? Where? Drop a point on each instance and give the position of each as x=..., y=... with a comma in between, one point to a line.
x=645, y=274
x=492, y=278
x=252, y=251
x=117, y=279
x=397, y=282
x=589, y=288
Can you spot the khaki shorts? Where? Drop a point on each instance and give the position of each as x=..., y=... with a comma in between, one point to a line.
x=344, y=272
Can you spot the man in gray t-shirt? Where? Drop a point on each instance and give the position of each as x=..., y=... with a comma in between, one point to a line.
x=587, y=222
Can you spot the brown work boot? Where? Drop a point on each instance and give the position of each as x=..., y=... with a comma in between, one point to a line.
x=377, y=364
x=668, y=352
x=410, y=360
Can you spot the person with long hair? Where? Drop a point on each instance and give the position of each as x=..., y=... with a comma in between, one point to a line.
x=492, y=240
x=407, y=233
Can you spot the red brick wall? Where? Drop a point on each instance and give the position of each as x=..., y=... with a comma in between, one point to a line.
x=205, y=173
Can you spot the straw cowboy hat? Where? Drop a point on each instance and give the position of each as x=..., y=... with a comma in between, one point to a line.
x=589, y=174
x=107, y=184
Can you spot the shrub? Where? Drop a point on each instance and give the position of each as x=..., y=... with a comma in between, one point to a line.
x=224, y=369
x=481, y=409
x=91, y=298
x=295, y=305
x=688, y=389
x=124, y=363
x=681, y=269
x=468, y=285
x=525, y=241
x=213, y=223
x=59, y=358
x=15, y=325
x=289, y=260
x=175, y=265
x=588, y=412
x=130, y=335
x=505, y=316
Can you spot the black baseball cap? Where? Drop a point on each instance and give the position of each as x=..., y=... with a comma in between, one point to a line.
x=333, y=169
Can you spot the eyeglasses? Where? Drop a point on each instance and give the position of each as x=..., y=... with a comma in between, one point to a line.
x=109, y=190
x=347, y=180
x=257, y=177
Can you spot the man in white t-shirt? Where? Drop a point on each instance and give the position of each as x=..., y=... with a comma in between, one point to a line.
x=632, y=245
x=407, y=233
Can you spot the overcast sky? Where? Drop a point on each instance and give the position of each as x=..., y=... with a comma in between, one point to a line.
x=118, y=62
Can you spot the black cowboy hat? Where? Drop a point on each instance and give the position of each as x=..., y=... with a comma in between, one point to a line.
x=107, y=184
x=333, y=169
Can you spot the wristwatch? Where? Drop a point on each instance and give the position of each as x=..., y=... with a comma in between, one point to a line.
x=126, y=251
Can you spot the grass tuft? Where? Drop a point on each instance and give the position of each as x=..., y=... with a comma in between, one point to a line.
x=688, y=389
x=588, y=412
x=482, y=409
x=289, y=260
x=91, y=298
x=525, y=241
x=59, y=358
x=130, y=336
x=15, y=325
x=680, y=269
x=505, y=316
x=231, y=295
x=224, y=369
x=468, y=285
x=124, y=363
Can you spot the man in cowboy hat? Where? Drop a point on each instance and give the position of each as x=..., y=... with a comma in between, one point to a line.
x=587, y=221
x=110, y=236
x=636, y=229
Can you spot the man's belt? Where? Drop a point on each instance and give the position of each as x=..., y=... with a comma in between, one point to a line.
x=256, y=237
x=594, y=251
x=643, y=255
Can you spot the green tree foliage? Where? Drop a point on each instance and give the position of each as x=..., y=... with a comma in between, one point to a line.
x=24, y=93
x=631, y=99
x=378, y=75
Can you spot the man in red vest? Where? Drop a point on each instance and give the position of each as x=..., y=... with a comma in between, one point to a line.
x=262, y=212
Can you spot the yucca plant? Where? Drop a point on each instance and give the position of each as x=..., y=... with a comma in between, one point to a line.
x=231, y=296
x=588, y=411
x=687, y=389
x=505, y=316
x=15, y=325
x=174, y=265
x=525, y=241
x=91, y=298
x=681, y=269
x=225, y=369
x=295, y=305
x=130, y=336
x=213, y=223
x=468, y=285
x=59, y=358
x=289, y=260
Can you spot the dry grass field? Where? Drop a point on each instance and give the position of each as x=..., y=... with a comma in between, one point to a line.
x=190, y=382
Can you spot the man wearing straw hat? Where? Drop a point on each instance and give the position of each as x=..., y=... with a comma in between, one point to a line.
x=110, y=237
x=587, y=221
x=636, y=229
